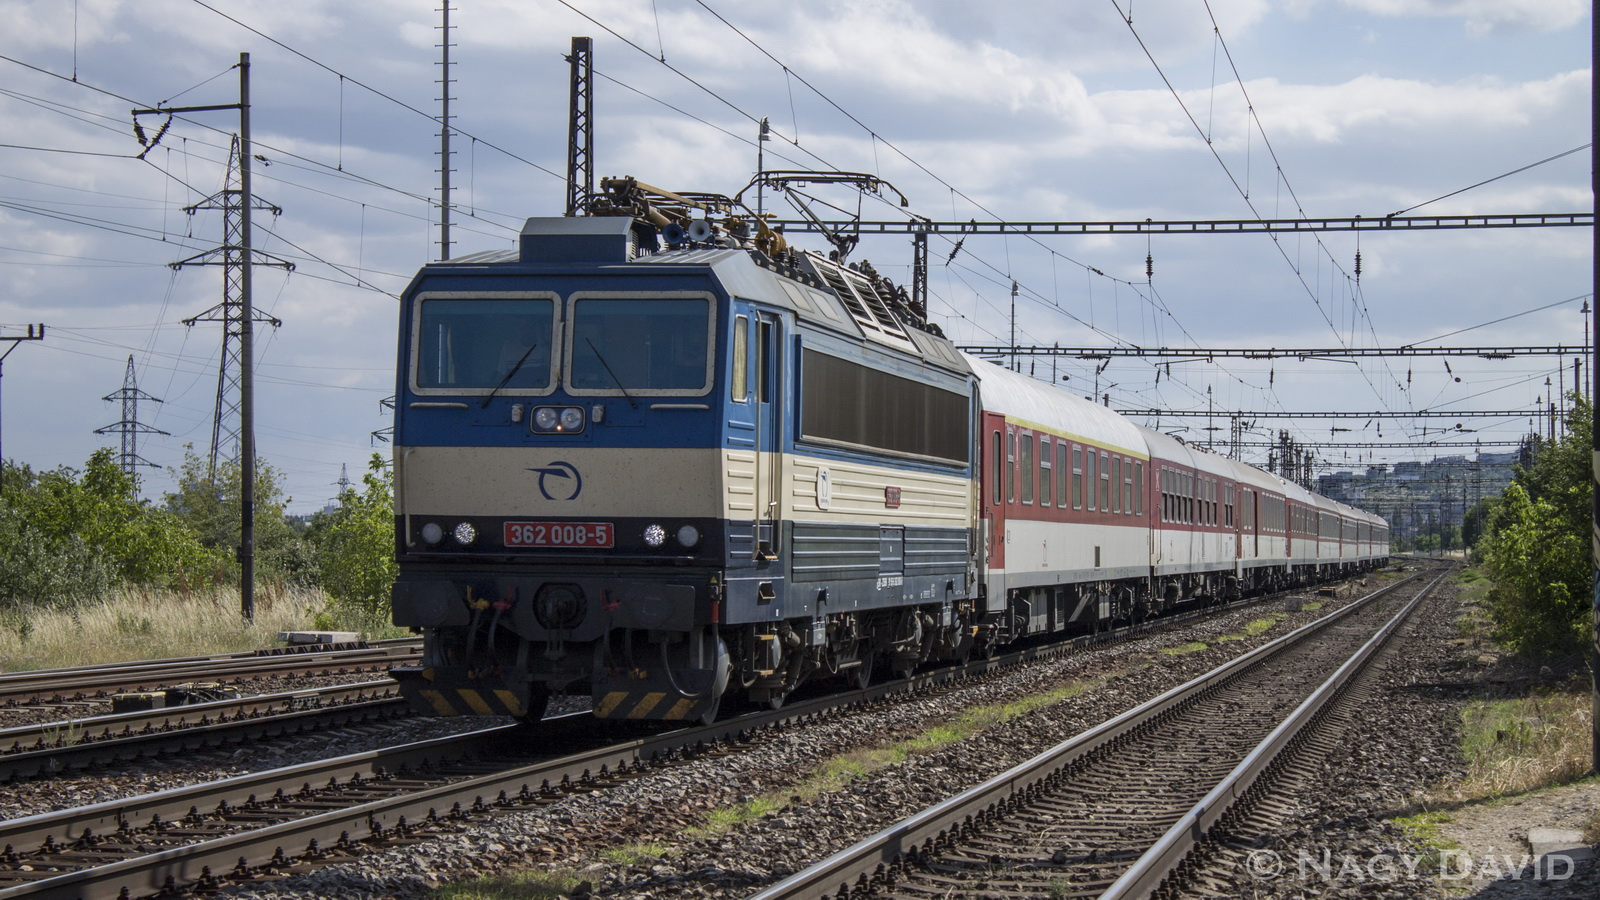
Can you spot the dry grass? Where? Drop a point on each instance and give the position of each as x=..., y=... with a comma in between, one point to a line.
x=1525, y=743
x=140, y=624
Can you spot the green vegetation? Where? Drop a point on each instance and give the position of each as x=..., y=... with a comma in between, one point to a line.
x=1535, y=546
x=1253, y=628
x=1520, y=744
x=1181, y=649
x=1423, y=829
x=82, y=543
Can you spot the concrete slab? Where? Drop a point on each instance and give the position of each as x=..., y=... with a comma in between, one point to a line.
x=1565, y=841
x=319, y=637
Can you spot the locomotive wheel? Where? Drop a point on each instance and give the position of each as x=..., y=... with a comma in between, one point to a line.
x=538, y=702
x=861, y=678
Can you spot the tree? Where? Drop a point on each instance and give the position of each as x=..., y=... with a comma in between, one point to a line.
x=356, y=542
x=208, y=505
x=67, y=535
x=1536, y=545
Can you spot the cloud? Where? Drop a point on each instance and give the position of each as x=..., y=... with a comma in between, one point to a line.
x=1483, y=17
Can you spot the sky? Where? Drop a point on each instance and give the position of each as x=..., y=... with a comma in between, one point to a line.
x=1017, y=111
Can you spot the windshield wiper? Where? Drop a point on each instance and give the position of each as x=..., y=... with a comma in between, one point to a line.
x=615, y=380
x=490, y=396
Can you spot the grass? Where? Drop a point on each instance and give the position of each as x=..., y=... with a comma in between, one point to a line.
x=141, y=624
x=1191, y=647
x=637, y=854
x=1521, y=744
x=514, y=886
x=1257, y=627
x=1423, y=829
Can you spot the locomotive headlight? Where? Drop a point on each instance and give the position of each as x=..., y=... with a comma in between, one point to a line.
x=688, y=535
x=432, y=533
x=655, y=535
x=559, y=419
x=465, y=533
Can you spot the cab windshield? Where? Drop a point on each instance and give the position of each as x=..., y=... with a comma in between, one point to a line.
x=475, y=344
x=641, y=345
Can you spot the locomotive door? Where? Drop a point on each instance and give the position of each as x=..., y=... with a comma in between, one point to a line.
x=769, y=435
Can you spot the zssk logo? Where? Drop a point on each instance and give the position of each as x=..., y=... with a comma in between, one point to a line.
x=551, y=476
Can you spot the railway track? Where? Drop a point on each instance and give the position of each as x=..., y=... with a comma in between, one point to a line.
x=55, y=687
x=56, y=747
x=1120, y=809
x=269, y=824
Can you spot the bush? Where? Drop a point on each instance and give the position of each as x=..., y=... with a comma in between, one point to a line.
x=1536, y=547
x=355, y=543
x=67, y=536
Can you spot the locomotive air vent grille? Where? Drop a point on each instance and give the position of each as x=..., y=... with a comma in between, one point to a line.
x=861, y=297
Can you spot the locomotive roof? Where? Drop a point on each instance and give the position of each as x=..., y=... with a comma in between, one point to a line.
x=813, y=292
x=1034, y=402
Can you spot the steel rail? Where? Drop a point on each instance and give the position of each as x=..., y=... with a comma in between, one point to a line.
x=289, y=650
x=1148, y=873
x=53, y=747
x=858, y=864
x=21, y=688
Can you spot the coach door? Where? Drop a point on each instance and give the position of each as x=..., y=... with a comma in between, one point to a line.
x=769, y=435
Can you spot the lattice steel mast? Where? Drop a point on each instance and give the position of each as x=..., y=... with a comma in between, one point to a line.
x=232, y=256
x=130, y=427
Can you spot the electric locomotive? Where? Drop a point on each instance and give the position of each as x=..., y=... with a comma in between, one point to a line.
x=654, y=456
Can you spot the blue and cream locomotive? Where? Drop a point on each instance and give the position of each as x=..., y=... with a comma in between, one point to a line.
x=655, y=456
x=661, y=474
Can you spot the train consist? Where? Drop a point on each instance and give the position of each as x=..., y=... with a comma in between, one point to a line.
x=656, y=456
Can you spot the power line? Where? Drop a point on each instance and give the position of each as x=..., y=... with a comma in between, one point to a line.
x=1304, y=353
x=1334, y=414
x=1202, y=226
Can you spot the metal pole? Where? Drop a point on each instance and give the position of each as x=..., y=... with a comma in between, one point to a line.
x=14, y=341
x=444, y=141
x=1594, y=168
x=247, y=419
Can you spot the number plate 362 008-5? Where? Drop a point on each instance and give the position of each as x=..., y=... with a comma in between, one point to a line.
x=560, y=534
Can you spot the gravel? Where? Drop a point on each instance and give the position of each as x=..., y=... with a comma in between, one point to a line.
x=649, y=837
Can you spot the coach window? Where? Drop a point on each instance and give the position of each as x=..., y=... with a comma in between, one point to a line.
x=1027, y=468
x=1062, y=462
x=1138, y=487
x=1091, y=477
x=997, y=469
x=1127, y=486
x=1077, y=476
x=1010, y=466
x=1167, y=512
x=1116, y=484
x=1046, y=490
x=1105, y=481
